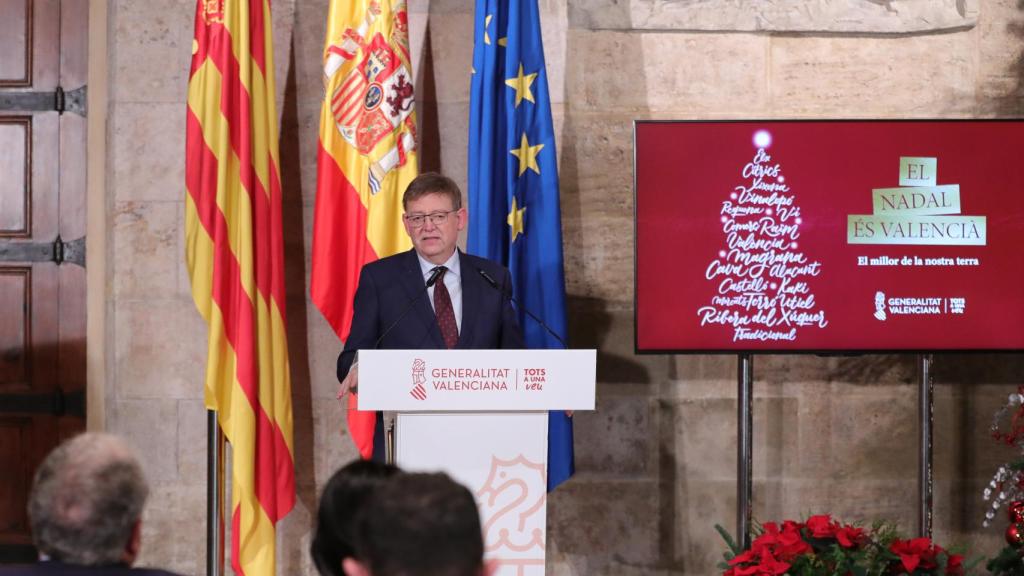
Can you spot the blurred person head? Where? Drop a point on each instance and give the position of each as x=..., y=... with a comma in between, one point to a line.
x=85, y=507
x=342, y=497
x=419, y=525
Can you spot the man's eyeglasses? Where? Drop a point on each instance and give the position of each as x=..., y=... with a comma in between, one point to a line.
x=436, y=218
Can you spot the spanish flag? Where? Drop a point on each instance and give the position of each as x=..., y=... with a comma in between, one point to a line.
x=366, y=158
x=235, y=258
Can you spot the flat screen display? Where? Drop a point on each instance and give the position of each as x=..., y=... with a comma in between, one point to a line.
x=829, y=236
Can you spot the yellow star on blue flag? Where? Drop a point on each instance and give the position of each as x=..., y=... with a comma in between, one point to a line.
x=522, y=83
x=527, y=155
x=515, y=220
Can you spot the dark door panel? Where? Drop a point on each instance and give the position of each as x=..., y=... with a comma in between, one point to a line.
x=43, y=55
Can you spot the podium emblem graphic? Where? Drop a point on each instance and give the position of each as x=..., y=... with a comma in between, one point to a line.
x=419, y=369
x=513, y=512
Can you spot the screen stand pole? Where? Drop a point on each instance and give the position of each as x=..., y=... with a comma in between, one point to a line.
x=925, y=412
x=214, y=496
x=745, y=454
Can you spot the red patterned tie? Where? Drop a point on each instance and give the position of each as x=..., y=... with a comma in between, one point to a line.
x=444, y=311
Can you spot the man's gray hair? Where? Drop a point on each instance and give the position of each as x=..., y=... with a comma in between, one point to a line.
x=86, y=498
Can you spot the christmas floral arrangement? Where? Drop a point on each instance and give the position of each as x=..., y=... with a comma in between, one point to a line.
x=821, y=546
x=1007, y=484
x=1007, y=487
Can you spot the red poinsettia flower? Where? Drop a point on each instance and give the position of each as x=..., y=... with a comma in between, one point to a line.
x=768, y=536
x=784, y=544
x=915, y=553
x=748, y=556
x=790, y=526
x=762, y=563
x=770, y=566
x=849, y=536
x=767, y=565
x=822, y=526
x=768, y=539
x=790, y=545
x=765, y=541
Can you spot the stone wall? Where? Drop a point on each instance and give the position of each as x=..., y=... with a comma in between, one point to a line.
x=656, y=461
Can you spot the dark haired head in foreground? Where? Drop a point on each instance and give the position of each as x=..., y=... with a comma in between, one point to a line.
x=418, y=525
x=342, y=498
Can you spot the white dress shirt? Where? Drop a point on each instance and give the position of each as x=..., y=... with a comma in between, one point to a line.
x=452, y=281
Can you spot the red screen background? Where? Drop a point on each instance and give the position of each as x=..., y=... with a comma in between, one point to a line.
x=685, y=170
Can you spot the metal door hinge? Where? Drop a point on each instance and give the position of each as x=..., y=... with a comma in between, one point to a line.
x=58, y=101
x=57, y=251
x=56, y=403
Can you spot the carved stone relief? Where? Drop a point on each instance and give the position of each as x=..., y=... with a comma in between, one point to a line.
x=830, y=16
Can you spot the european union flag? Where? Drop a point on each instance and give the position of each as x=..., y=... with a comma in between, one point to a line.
x=513, y=181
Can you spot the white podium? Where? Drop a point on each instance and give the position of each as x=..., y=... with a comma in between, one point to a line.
x=481, y=416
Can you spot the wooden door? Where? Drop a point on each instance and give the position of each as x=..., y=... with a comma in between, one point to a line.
x=42, y=249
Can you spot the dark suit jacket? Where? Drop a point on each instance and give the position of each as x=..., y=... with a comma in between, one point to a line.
x=61, y=569
x=388, y=286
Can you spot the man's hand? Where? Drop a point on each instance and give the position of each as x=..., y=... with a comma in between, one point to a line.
x=350, y=383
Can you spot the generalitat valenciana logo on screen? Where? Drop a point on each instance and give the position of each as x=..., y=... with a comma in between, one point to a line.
x=886, y=307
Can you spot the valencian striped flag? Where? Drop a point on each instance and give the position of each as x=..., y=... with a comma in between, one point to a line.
x=235, y=258
x=513, y=181
x=366, y=158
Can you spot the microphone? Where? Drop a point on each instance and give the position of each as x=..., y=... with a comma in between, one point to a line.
x=434, y=275
x=494, y=284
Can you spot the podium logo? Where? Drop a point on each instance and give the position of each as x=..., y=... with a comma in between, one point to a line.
x=880, y=305
x=418, y=391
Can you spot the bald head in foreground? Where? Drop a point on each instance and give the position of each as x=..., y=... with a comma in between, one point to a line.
x=85, y=510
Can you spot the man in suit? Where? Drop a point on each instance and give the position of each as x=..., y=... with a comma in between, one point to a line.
x=85, y=510
x=433, y=296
